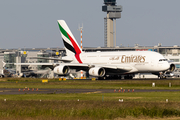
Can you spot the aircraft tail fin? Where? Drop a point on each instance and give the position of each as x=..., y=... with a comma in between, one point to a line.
x=70, y=43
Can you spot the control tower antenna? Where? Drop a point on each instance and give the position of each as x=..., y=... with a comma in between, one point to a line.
x=81, y=29
x=113, y=13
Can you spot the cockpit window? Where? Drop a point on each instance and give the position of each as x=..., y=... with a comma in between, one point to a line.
x=163, y=60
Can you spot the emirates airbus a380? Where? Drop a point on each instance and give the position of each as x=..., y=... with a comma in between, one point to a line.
x=103, y=64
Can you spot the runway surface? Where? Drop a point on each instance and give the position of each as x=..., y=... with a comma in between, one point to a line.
x=15, y=91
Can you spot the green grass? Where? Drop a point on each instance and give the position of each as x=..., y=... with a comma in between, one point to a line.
x=88, y=84
x=127, y=97
x=86, y=110
x=135, y=105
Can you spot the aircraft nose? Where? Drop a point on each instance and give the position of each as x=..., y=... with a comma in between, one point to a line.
x=166, y=66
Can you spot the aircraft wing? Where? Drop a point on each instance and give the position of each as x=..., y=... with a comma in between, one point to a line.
x=126, y=68
x=44, y=65
x=109, y=68
x=47, y=58
x=76, y=66
x=114, y=69
x=53, y=64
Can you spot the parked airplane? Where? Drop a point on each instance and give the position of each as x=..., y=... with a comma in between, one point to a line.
x=104, y=64
x=175, y=73
x=5, y=72
x=26, y=71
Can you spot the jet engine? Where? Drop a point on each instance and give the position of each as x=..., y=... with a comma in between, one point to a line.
x=97, y=71
x=61, y=70
x=172, y=67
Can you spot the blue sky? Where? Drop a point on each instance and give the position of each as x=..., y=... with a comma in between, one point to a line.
x=33, y=23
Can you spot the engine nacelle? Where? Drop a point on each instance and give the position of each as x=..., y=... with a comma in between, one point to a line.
x=172, y=67
x=62, y=70
x=97, y=71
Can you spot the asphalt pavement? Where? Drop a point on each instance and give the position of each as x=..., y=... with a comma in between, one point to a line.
x=15, y=91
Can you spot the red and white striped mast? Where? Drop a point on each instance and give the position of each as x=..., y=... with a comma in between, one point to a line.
x=81, y=29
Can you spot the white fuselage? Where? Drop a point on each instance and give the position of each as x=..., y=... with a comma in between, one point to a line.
x=102, y=64
x=139, y=61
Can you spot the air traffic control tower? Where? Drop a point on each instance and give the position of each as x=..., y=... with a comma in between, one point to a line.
x=113, y=13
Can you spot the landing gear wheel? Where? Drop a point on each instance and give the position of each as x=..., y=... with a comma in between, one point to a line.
x=128, y=77
x=102, y=78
